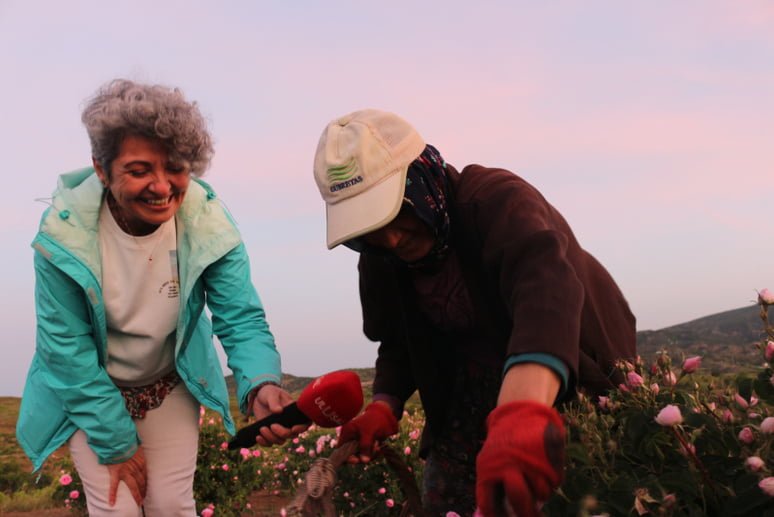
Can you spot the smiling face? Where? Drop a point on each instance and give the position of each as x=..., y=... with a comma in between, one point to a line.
x=406, y=237
x=146, y=188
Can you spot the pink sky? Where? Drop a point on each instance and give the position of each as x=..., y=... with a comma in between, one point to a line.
x=649, y=126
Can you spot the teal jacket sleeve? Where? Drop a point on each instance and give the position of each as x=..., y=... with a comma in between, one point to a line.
x=239, y=321
x=67, y=348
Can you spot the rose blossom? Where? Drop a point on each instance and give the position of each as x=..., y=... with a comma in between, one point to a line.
x=669, y=378
x=604, y=402
x=65, y=480
x=746, y=436
x=767, y=426
x=765, y=297
x=207, y=512
x=692, y=364
x=634, y=379
x=655, y=388
x=741, y=401
x=754, y=463
x=669, y=416
x=390, y=503
x=74, y=494
x=769, y=350
x=767, y=485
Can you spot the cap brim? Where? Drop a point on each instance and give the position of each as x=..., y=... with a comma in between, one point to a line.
x=367, y=211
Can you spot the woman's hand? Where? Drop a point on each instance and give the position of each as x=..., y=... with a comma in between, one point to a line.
x=376, y=423
x=272, y=399
x=134, y=473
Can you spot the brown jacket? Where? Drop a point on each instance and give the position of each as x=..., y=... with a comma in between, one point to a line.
x=532, y=286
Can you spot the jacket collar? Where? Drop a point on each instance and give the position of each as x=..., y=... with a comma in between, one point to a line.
x=73, y=220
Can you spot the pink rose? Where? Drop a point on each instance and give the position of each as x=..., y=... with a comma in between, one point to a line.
x=769, y=351
x=669, y=416
x=754, y=463
x=300, y=449
x=407, y=451
x=767, y=426
x=245, y=453
x=65, y=480
x=382, y=490
x=669, y=378
x=74, y=494
x=224, y=466
x=452, y=514
x=604, y=402
x=765, y=297
x=741, y=401
x=767, y=485
x=746, y=436
x=207, y=512
x=691, y=364
x=634, y=380
x=655, y=388
x=390, y=503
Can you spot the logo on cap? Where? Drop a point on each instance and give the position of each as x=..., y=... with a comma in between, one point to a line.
x=341, y=176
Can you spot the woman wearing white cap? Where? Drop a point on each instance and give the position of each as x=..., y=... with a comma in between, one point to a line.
x=481, y=299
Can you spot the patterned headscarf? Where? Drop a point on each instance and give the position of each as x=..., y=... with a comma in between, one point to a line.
x=426, y=193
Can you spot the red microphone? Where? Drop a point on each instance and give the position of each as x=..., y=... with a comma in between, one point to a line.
x=331, y=400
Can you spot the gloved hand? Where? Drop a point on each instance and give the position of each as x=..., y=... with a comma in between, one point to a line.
x=522, y=459
x=375, y=423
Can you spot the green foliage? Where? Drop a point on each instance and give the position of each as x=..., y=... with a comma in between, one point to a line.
x=225, y=479
x=622, y=461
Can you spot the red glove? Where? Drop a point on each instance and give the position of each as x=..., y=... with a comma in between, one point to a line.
x=522, y=458
x=375, y=423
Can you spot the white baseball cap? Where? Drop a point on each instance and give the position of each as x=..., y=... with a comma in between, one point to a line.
x=360, y=168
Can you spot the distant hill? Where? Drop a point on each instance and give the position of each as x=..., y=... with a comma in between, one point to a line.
x=726, y=340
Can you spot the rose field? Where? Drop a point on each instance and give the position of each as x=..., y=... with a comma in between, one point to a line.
x=673, y=440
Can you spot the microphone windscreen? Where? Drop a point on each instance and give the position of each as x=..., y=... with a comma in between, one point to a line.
x=332, y=399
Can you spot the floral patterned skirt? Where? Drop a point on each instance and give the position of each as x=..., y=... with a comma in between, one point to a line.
x=141, y=399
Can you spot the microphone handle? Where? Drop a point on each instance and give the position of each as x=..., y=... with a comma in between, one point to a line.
x=289, y=417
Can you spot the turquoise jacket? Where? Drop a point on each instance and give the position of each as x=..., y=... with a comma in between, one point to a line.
x=68, y=387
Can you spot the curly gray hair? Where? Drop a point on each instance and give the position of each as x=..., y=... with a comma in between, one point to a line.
x=121, y=108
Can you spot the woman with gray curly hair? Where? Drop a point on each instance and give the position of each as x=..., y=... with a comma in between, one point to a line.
x=126, y=257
